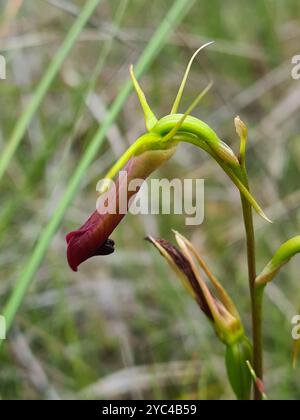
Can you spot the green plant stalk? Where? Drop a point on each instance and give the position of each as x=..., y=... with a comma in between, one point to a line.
x=257, y=335
x=41, y=90
x=174, y=16
x=256, y=299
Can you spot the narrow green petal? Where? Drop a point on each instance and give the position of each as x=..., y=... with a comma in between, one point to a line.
x=183, y=83
x=150, y=118
x=249, y=197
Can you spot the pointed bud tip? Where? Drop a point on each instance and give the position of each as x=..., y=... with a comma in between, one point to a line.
x=264, y=216
x=240, y=127
x=150, y=239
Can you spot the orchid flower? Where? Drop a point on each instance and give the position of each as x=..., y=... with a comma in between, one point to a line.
x=143, y=157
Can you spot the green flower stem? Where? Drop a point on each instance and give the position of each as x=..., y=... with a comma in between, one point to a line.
x=256, y=295
x=257, y=335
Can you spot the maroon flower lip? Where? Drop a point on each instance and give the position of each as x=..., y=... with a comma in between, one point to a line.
x=92, y=238
x=82, y=244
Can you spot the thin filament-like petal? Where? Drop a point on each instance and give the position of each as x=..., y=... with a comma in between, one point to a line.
x=183, y=83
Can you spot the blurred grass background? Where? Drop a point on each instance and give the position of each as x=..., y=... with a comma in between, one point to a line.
x=123, y=327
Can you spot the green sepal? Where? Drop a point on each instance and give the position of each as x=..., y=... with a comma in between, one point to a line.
x=149, y=116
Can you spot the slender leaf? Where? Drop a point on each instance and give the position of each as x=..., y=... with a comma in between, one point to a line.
x=41, y=90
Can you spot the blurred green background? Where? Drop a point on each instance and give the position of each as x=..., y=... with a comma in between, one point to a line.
x=123, y=327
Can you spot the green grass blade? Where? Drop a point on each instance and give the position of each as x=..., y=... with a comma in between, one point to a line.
x=10, y=207
x=41, y=90
x=174, y=16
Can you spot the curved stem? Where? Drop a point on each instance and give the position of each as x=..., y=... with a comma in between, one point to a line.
x=199, y=128
x=234, y=173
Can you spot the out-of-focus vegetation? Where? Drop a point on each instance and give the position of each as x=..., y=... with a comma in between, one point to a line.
x=122, y=327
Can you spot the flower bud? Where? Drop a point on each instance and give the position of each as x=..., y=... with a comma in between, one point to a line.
x=241, y=128
x=242, y=132
x=219, y=309
x=281, y=257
